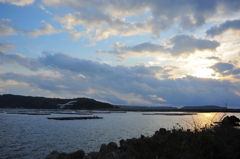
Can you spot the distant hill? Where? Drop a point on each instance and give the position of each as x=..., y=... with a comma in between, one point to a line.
x=204, y=107
x=146, y=107
x=161, y=107
x=13, y=101
x=86, y=103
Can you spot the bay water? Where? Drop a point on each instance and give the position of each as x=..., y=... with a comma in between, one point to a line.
x=35, y=136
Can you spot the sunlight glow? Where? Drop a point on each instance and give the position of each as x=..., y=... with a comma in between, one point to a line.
x=204, y=73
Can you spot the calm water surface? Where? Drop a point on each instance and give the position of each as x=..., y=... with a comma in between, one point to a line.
x=35, y=136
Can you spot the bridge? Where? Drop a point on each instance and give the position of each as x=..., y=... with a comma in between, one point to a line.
x=61, y=106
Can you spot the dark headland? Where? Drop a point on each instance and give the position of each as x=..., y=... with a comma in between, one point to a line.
x=29, y=102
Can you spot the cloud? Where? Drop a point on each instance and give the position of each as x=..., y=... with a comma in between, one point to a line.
x=91, y=21
x=189, y=44
x=18, y=2
x=236, y=71
x=223, y=27
x=154, y=97
x=225, y=69
x=222, y=67
x=133, y=89
x=176, y=45
x=5, y=30
x=43, y=8
x=150, y=16
x=214, y=58
x=74, y=35
x=45, y=29
x=60, y=61
x=91, y=44
x=6, y=47
x=20, y=60
x=138, y=84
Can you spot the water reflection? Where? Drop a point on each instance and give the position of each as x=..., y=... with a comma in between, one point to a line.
x=203, y=119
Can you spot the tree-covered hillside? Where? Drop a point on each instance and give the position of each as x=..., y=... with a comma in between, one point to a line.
x=13, y=101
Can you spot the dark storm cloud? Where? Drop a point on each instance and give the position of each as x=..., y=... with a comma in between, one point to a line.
x=223, y=27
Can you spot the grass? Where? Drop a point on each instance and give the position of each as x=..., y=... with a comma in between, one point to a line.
x=207, y=142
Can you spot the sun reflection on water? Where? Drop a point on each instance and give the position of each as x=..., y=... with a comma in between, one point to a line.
x=205, y=119
x=201, y=120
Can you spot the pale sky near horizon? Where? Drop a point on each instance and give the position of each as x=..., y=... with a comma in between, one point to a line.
x=130, y=52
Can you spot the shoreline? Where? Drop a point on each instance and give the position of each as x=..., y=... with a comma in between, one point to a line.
x=219, y=141
x=186, y=110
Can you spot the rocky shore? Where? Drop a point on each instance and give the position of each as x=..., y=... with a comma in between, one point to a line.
x=215, y=141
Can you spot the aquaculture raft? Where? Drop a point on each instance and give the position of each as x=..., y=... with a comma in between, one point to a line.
x=76, y=118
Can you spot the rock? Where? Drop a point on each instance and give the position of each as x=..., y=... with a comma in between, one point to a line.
x=94, y=155
x=53, y=155
x=124, y=155
x=234, y=118
x=126, y=149
x=231, y=121
x=103, y=146
x=57, y=155
x=123, y=145
x=63, y=155
x=162, y=130
x=77, y=155
x=87, y=157
x=111, y=147
x=112, y=155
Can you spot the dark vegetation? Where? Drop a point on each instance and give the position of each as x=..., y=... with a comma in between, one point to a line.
x=85, y=103
x=221, y=141
x=29, y=102
x=17, y=101
x=209, y=142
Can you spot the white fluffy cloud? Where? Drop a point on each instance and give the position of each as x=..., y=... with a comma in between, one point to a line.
x=46, y=29
x=100, y=26
x=18, y=2
x=6, y=30
x=109, y=16
x=6, y=47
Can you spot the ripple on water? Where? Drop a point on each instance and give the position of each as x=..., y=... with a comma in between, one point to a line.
x=27, y=137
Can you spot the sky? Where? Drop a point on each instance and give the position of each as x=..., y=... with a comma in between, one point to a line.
x=127, y=52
